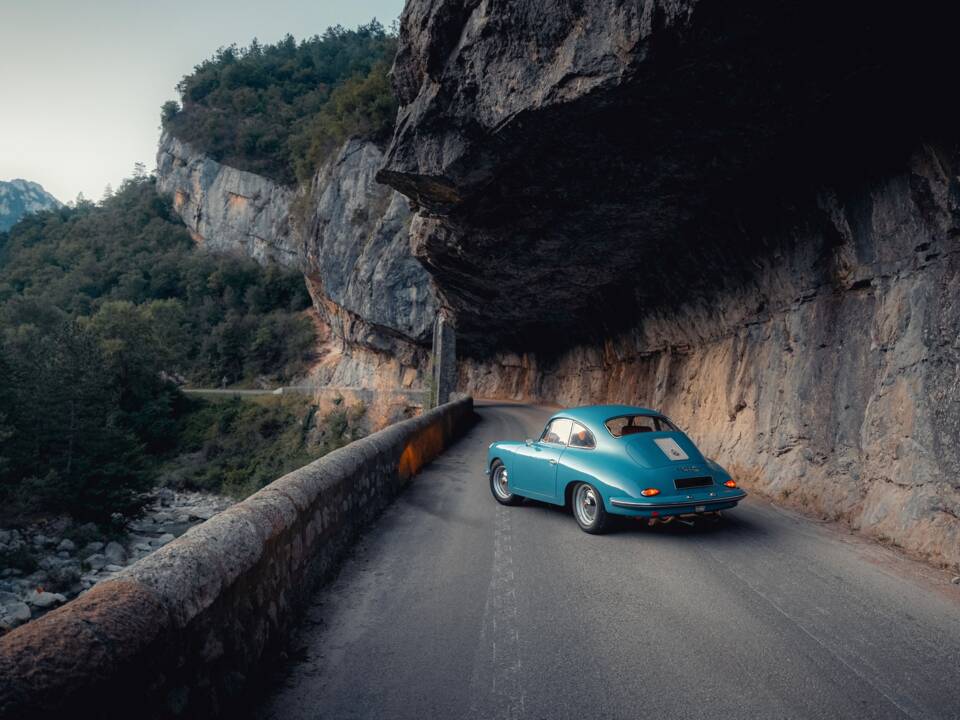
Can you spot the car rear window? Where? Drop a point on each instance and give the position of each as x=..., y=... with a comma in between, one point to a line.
x=631, y=424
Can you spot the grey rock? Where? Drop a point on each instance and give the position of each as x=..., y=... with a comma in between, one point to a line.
x=115, y=552
x=5, y=536
x=51, y=561
x=166, y=497
x=66, y=545
x=45, y=599
x=13, y=611
x=229, y=209
x=38, y=577
x=96, y=561
x=93, y=547
x=162, y=540
x=113, y=568
x=65, y=574
x=358, y=249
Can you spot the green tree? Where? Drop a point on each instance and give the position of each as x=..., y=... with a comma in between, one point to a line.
x=71, y=453
x=168, y=111
x=363, y=106
x=256, y=108
x=7, y=430
x=100, y=307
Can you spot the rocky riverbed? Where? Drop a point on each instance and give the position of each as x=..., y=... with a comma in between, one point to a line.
x=48, y=563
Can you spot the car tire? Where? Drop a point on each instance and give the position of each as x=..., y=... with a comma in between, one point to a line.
x=498, y=485
x=588, y=509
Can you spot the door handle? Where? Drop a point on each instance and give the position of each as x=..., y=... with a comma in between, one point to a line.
x=553, y=461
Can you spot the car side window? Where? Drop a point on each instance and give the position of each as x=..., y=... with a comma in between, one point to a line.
x=580, y=437
x=557, y=431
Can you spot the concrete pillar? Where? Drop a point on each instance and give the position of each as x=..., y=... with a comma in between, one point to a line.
x=444, y=380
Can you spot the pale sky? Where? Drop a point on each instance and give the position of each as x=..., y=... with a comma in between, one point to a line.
x=82, y=81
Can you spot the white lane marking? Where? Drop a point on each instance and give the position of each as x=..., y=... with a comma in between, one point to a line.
x=497, y=682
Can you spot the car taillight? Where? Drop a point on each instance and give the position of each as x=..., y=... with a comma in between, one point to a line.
x=730, y=484
x=649, y=492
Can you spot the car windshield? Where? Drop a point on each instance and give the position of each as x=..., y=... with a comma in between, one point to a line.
x=631, y=424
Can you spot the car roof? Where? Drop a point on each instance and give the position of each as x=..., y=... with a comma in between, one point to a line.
x=596, y=415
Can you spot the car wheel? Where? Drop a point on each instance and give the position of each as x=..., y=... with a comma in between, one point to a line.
x=499, y=486
x=588, y=509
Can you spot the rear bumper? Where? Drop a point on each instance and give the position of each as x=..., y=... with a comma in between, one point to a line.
x=653, y=508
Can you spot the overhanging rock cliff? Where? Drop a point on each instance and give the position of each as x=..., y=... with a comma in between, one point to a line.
x=347, y=233
x=745, y=213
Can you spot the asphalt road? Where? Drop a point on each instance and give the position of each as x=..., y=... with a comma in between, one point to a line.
x=453, y=606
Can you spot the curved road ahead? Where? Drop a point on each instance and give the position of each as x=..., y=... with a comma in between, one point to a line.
x=453, y=606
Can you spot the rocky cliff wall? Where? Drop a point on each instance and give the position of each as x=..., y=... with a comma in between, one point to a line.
x=228, y=210
x=347, y=233
x=743, y=213
x=830, y=381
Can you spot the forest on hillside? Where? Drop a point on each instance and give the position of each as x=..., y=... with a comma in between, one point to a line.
x=278, y=110
x=102, y=307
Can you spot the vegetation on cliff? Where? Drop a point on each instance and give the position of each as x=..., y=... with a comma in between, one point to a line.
x=277, y=110
x=237, y=446
x=101, y=305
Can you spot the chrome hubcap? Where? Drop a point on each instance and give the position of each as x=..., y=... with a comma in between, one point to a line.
x=500, y=483
x=585, y=504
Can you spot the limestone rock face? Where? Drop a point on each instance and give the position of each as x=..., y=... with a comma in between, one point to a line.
x=358, y=250
x=227, y=210
x=347, y=233
x=743, y=213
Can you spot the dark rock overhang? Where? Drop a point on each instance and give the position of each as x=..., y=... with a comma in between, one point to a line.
x=574, y=163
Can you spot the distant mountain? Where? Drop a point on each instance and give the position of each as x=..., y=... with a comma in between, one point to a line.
x=21, y=197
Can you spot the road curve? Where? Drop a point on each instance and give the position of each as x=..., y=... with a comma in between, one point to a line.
x=453, y=606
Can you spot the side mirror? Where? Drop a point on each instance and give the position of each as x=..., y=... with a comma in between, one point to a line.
x=528, y=442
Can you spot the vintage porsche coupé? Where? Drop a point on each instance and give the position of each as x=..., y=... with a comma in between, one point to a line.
x=605, y=460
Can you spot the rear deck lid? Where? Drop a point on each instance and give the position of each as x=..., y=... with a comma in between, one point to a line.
x=660, y=449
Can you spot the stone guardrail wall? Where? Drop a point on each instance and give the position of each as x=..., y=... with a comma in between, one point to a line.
x=189, y=630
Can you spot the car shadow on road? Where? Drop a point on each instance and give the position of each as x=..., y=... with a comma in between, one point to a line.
x=731, y=524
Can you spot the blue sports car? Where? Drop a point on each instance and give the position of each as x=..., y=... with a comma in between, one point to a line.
x=608, y=460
